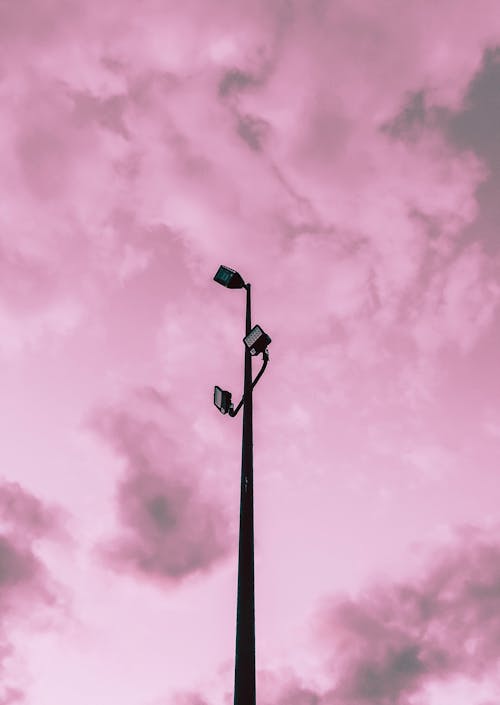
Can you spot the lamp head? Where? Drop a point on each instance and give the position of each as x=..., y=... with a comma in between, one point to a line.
x=229, y=278
x=256, y=341
x=222, y=400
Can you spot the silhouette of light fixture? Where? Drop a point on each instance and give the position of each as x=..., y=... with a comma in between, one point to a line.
x=229, y=278
x=222, y=400
x=256, y=341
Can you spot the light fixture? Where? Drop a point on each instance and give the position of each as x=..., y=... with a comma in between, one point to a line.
x=229, y=278
x=222, y=400
x=256, y=341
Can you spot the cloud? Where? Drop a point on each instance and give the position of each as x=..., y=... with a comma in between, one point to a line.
x=25, y=583
x=19, y=507
x=334, y=152
x=396, y=641
x=170, y=527
x=475, y=124
x=256, y=135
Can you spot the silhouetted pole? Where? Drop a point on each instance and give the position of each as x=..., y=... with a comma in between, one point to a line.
x=256, y=341
x=244, y=672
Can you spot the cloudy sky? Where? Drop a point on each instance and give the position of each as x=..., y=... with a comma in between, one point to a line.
x=344, y=156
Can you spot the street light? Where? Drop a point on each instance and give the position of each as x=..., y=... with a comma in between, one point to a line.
x=229, y=278
x=222, y=400
x=256, y=342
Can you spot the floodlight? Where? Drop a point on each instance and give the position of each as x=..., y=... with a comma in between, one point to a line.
x=257, y=341
x=222, y=400
x=229, y=278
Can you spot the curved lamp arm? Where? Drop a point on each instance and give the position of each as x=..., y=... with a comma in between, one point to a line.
x=265, y=356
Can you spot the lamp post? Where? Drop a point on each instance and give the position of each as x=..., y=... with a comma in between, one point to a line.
x=256, y=342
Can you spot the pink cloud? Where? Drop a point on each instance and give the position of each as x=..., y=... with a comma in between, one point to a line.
x=394, y=639
x=26, y=585
x=90, y=133
x=168, y=528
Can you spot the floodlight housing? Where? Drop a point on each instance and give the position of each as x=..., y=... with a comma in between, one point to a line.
x=222, y=400
x=229, y=278
x=256, y=341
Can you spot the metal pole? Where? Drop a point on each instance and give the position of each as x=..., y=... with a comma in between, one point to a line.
x=244, y=676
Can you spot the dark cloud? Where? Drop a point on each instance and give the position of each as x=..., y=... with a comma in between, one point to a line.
x=24, y=520
x=169, y=528
x=396, y=639
x=476, y=127
x=473, y=127
x=235, y=80
x=25, y=584
x=169, y=531
x=253, y=131
x=17, y=566
x=410, y=122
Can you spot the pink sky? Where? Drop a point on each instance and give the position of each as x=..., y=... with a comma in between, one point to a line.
x=344, y=156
